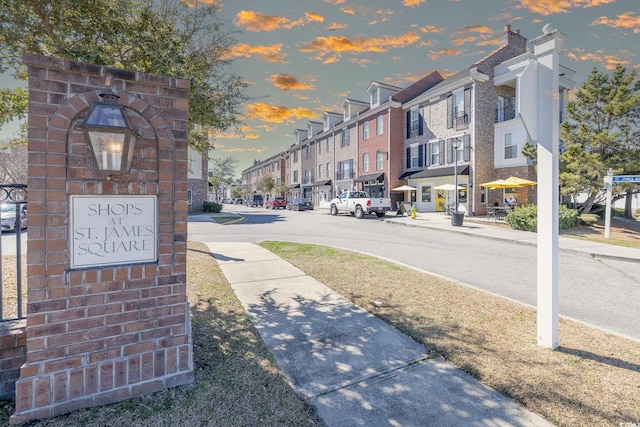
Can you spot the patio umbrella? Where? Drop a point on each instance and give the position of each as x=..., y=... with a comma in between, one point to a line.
x=404, y=188
x=511, y=182
x=447, y=187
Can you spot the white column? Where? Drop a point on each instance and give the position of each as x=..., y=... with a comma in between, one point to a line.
x=546, y=49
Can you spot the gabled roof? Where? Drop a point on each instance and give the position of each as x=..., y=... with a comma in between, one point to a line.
x=415, y=89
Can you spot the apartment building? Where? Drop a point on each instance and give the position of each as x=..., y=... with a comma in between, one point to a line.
x=474, y=122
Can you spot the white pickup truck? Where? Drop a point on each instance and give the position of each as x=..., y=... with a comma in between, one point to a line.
x=358, y=203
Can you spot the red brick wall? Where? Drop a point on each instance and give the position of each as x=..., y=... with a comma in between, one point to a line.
x=12, y=355
x=102, y=334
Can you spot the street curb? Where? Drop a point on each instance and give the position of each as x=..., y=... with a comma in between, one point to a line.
x=518, y=242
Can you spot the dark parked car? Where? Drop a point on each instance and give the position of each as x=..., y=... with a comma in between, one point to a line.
x=255, y=200
x=276, y=203
x=300, y=205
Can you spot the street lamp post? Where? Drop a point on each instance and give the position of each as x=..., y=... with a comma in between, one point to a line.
x=456, y=217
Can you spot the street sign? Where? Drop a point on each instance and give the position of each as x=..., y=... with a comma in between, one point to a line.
x=626, y=178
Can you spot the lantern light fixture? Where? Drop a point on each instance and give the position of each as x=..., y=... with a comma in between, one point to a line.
x=109, y=134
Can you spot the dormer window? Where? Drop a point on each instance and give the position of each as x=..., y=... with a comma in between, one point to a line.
x=374, y=96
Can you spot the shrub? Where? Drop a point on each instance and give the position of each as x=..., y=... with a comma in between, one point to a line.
x=523, y=218
x=568, y=217
x=588, y=219
x=526, y=218
x=617, y=212
x=212, y=207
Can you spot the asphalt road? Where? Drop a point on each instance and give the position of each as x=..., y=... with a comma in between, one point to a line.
x=599, y=292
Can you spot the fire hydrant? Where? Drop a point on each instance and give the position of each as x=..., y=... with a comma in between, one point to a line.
x=413, y=212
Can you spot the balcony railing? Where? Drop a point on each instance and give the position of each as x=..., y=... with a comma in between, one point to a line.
x=345, y=174
x=508, y=112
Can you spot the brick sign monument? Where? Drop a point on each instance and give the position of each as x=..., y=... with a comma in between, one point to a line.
x=107, y=313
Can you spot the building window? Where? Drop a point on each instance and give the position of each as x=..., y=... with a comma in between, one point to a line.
x=434, y=150
x=415, y=156
x=319, y=171
x=328, y=145
x=307, y=151
x=379, y=160
x=345, y=138
x=365, y=130
x=320, y=148
x=379, y=125
x=189, y=196
x=459, y=109
x=374, y=96
x=415, y=120
x=426, y=194
x=328, y=170
x=345, y=169
x=295, y=176
x=365, y=162
x=458, y=104
x=295, y=156
x=510, y=148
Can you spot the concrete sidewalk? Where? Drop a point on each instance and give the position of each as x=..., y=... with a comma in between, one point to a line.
x=488, y=229
x=352, y=367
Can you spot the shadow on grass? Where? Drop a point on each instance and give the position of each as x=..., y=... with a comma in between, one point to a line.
x=611, y=361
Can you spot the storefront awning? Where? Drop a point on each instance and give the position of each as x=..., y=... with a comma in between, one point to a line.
x=371, y=177
x=322, y=183
x=291, y=187
x=449, y=171
x=407, y=174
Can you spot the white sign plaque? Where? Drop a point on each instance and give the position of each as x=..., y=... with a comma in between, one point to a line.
x=112, y=230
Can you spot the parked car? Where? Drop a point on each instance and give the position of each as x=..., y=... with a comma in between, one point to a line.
x=276, y=203
x=238, y=201
x=300, y=205
x=358, y=203
x=8, y=216
x=255, y=200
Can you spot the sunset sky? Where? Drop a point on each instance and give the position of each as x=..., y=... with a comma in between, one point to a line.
x=303, y=58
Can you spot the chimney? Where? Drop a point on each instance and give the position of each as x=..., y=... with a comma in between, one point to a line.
x=512, y=38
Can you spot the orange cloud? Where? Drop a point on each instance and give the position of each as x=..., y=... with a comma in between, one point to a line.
x=313, y=17
x=245, y=149
x=256, y=21
x=348, y=10
x=195, y=3
x=437, y=55
x=335, y=2
x=272, y=53
x=412, y=3
x=609, y=61
x=624, y=20
x=470, y=34
x=335, y=26
x=431, y=29
x=328, y=49
x=288, y=82
x=276, y=114
x=549, y=7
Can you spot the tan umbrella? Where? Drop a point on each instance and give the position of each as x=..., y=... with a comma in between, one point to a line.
x=447, y=187
x=404, y=188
